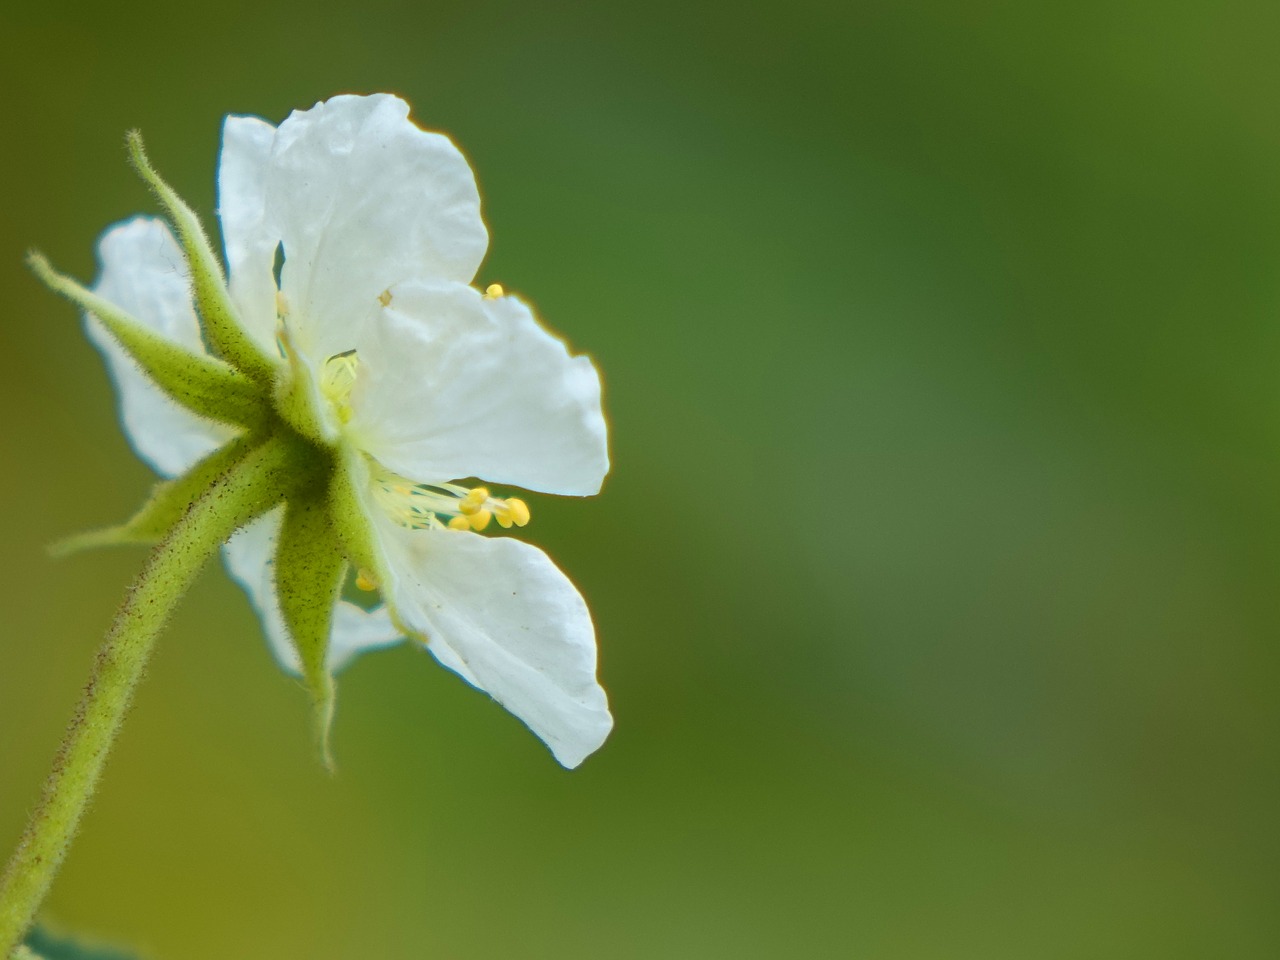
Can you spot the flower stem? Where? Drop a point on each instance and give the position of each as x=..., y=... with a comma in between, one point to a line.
x=245, y=491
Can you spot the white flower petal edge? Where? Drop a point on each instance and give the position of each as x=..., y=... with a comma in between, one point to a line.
x=144, y=273
x=250, y=558
x=249, y=243
x=502, y=609
x=360, y=199
x=455, y=385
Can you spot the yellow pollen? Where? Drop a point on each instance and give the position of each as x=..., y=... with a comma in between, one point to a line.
x=478, y=520
x=366, y=580
x=459, y=523
x=512, y=512
x=493, y=291
x=384, y=298
x=519, y=511
x=473, y=501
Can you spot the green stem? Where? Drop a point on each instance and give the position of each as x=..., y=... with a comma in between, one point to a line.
x=245, y=491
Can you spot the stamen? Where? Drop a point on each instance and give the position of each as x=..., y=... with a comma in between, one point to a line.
x=511, y=511
x=473, y=501
x=519, y=511
x=365, y=580
x=422, y=506
x=493, y=291
x=337, y=380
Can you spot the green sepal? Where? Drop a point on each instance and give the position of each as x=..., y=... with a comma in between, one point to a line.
x=297, y=395
x=169, y=500
x=310, y=568
x=222, y=326
x=207, y=387
x=354, y=528
x=351, y=523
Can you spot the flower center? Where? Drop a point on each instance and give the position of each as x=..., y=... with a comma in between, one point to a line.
x=337, y=380
x=418, y=505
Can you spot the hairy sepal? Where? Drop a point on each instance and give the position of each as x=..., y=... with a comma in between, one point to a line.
x=169, y=501
x=222, y=325
x=207, y=387
x=350, y=522
x=310, y=568
x=297, y=396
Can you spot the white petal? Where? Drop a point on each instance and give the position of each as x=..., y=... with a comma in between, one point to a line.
x=363, y=199
x=451, y=385
x=143, y=272
x=250, y=241
x=502, y=609
x=250, y=558
x=356, y=630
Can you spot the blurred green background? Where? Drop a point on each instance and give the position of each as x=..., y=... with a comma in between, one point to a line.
x=936, y=580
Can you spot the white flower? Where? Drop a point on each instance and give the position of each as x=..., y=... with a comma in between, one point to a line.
x=412, y=378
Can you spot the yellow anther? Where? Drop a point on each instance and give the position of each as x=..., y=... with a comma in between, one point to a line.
x=436, y=505
x=512, y=512
x=473, y=501
x=518, y=511
x=493, y=291
x=384, y=298
x=366, y=580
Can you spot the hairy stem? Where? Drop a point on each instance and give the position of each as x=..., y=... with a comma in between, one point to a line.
x=249, y=488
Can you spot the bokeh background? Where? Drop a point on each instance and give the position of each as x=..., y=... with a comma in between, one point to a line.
x=936, y=580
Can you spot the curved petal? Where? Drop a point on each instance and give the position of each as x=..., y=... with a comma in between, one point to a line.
x=504, y=610
x=363, y=199
x=452, y=385
x=143, y=271
x=250, y=559
x=249, y=240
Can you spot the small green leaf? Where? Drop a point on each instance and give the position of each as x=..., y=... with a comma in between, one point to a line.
x=41, y=945
x=310, y=568
x=203, y=385
x=170, y=499
x=222, y=324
